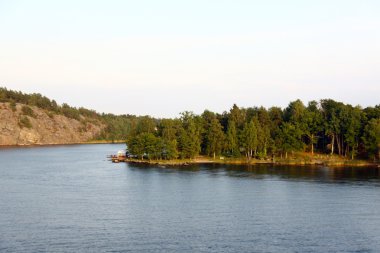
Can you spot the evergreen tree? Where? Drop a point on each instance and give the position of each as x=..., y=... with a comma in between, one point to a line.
x=214, y=138
x=238, y=116
x=232, y=143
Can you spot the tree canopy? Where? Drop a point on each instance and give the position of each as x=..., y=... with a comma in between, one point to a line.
x=326, y=126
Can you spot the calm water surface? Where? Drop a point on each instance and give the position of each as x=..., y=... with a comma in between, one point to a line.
x=71, y=199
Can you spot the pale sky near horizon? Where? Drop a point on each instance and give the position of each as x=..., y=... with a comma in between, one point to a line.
x=164, y=57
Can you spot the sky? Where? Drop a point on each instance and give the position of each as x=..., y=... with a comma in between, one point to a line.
x=164, y=57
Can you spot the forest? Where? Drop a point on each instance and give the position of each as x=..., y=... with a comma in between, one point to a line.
x=325, y=126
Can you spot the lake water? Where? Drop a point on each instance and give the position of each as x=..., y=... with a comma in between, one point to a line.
x=71, y=199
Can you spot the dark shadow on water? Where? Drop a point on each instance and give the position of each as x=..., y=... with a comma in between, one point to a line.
x=271, y=172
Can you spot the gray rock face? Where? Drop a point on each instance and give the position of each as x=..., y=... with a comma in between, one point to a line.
x=46, y=128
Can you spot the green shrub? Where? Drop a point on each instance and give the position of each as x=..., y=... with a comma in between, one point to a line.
x=51, y=115
x=25, y=122
x=13, y=105
x=26, y=110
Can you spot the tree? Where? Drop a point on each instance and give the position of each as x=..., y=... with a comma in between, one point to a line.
x=145, y=144
x=297, y=117
x=189, y=137
x=238, y=116
x=136, y=146
x=330, y=112
x=312, y=123
x=290, y=138
x=214, y=138
x=371, y=138
x=294, y=112
x=262, y=121
x=276, y=119
x=372, y=112
x=249, y=138
x=146, y=124
x=352, y=130
x=168, y=129
x=170, y=149
x=232, y=143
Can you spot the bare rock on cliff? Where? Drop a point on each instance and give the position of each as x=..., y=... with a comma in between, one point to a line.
x=43, y=127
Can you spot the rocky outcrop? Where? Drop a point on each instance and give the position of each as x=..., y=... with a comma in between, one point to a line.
x=43, y=127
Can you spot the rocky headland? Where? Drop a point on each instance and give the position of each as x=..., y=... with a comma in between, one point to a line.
x=29, y=125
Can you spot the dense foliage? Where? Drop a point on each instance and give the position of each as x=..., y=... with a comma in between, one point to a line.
x=326, y=126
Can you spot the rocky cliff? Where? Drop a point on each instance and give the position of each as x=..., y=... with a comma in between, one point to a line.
x=29, y=125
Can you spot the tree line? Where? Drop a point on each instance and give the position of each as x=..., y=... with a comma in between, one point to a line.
x=326, y=126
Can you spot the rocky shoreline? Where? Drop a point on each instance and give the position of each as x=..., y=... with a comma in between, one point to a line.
x=187, y=162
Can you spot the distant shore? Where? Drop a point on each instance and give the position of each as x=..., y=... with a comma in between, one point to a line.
x=104, y=142
x=71, y=143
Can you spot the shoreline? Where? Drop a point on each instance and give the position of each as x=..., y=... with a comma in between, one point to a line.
x=61, y=144
x=283, y=162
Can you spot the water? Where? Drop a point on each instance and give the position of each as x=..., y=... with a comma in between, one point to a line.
x=71, y=199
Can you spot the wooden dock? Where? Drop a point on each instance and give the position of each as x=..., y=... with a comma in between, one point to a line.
x=116, y=158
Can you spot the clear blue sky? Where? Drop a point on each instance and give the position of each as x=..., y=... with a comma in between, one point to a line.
x=164, y=57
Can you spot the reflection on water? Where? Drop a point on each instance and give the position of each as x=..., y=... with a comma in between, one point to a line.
x=263, y=171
